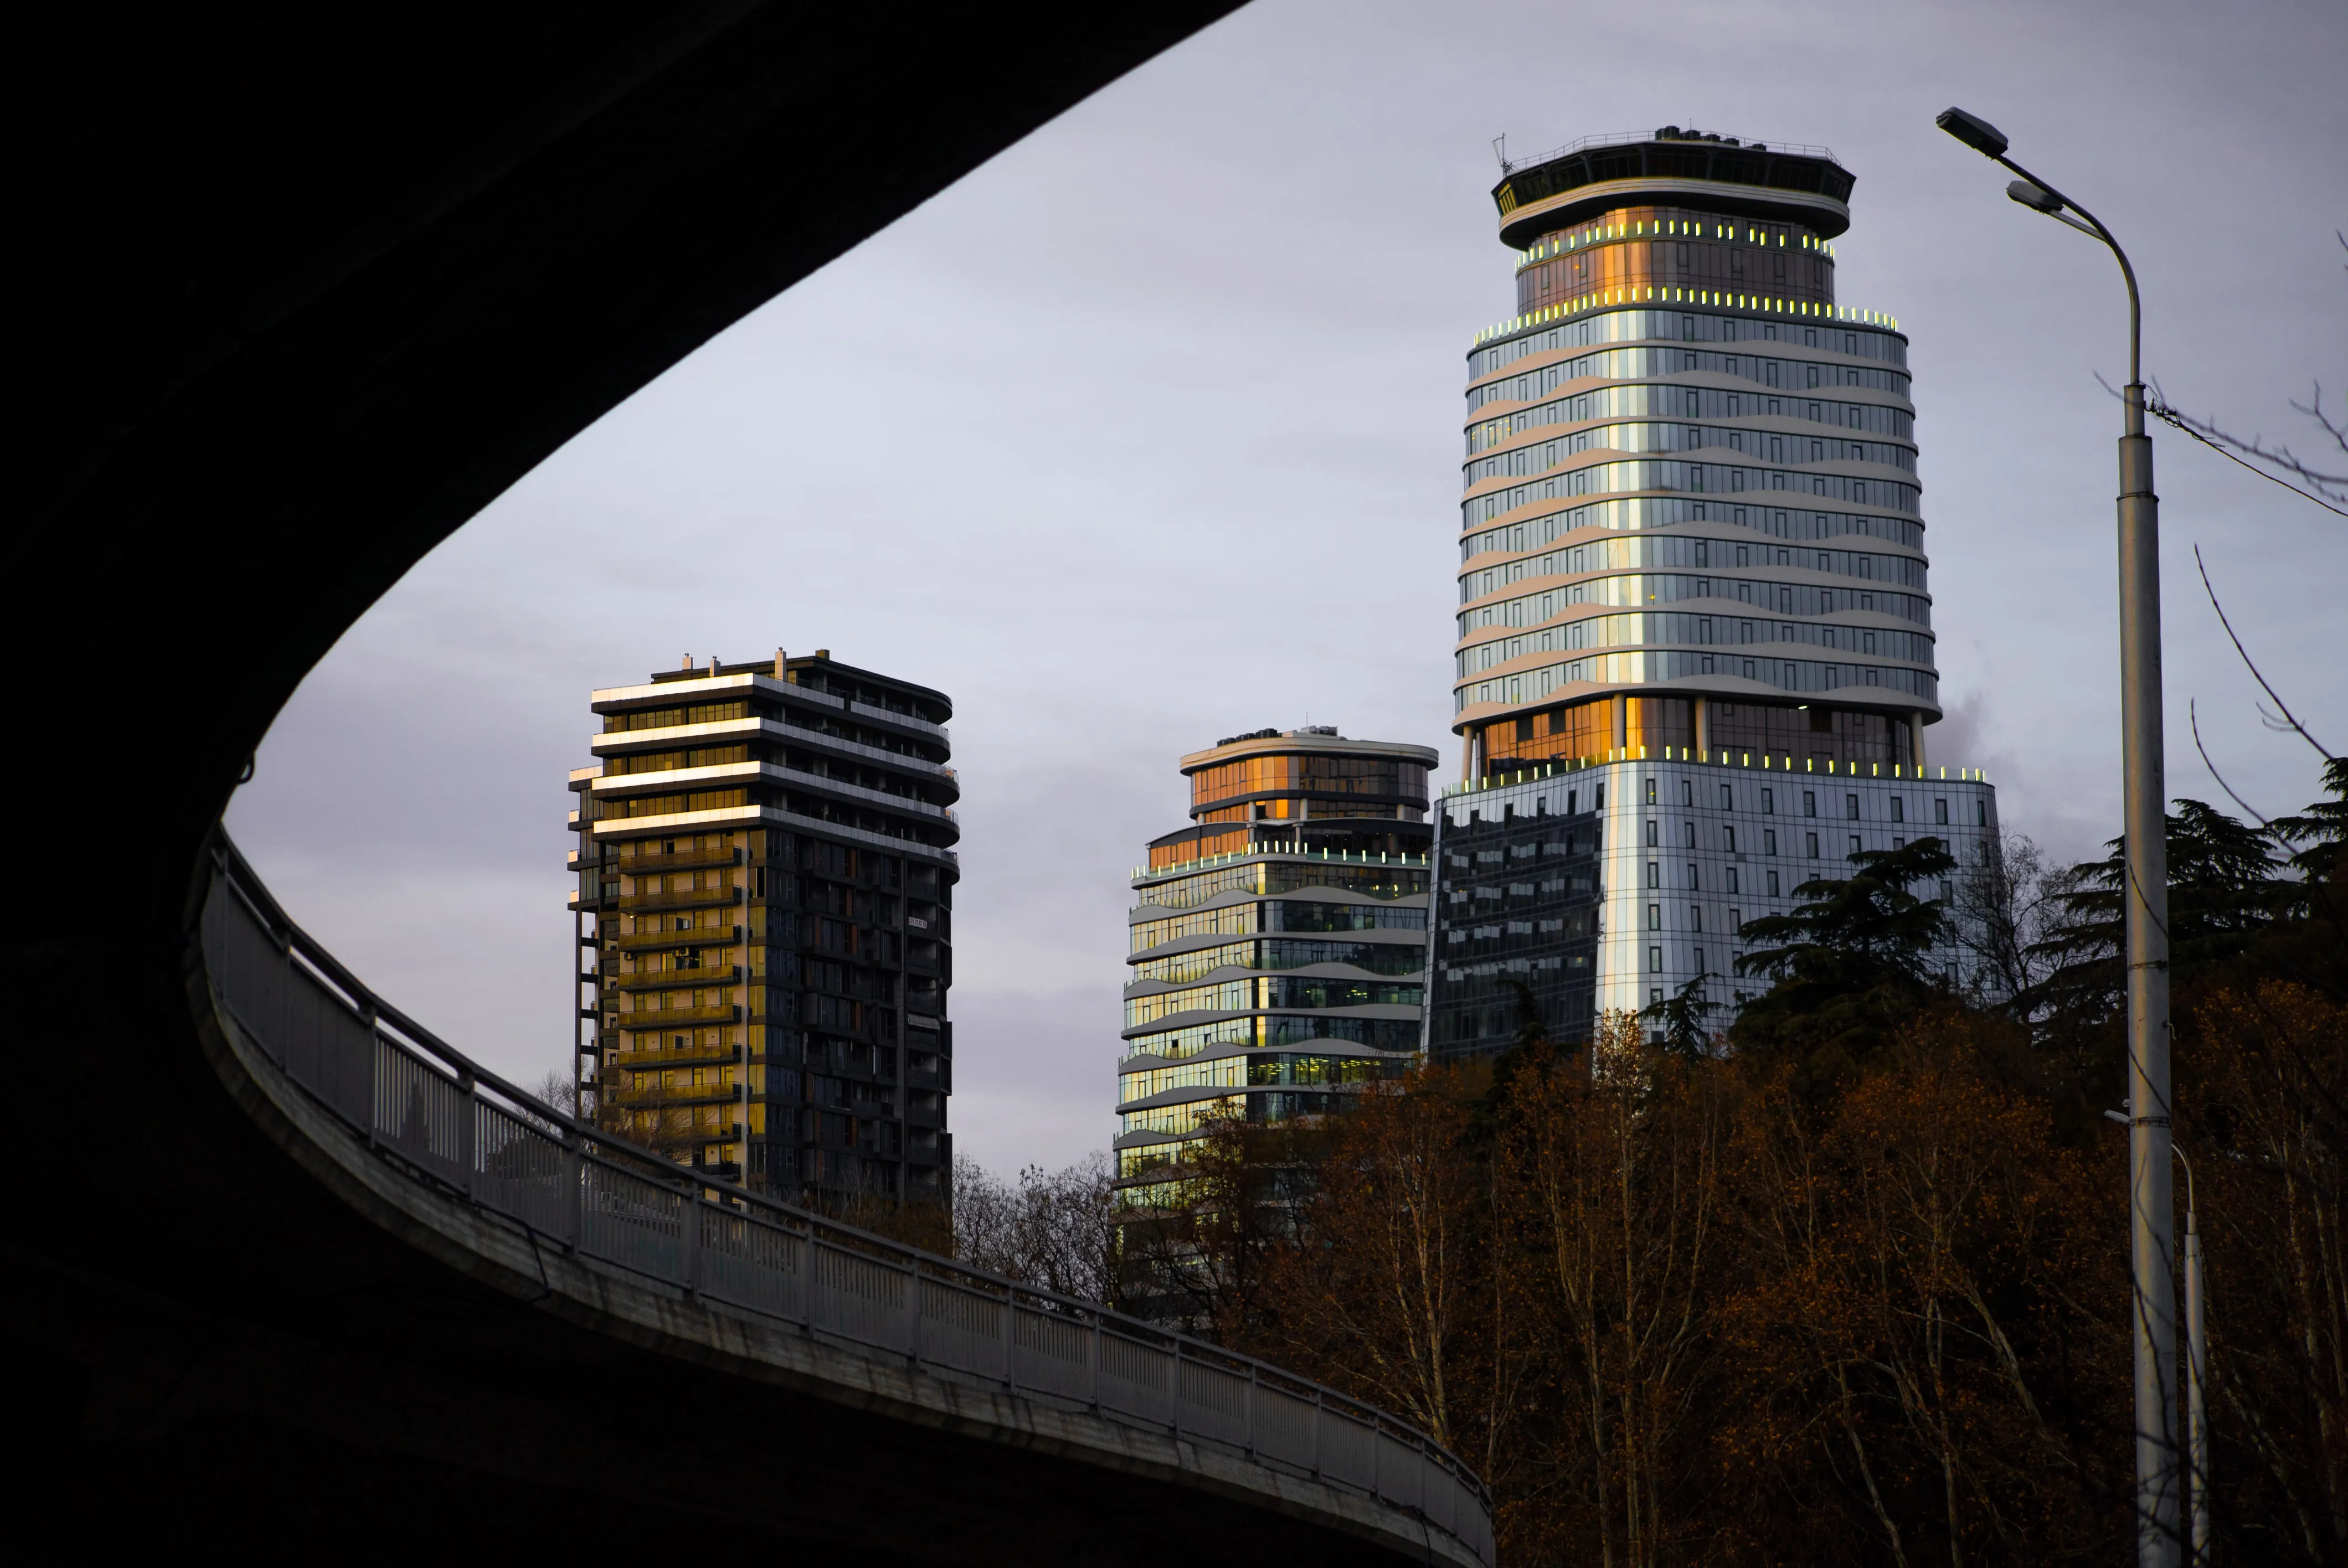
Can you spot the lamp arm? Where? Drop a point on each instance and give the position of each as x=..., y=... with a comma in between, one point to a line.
x=2128, y=272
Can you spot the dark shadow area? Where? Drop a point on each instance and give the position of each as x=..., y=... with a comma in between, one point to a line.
x=306, y=291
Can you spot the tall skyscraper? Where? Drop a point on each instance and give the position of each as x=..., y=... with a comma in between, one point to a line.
x=1278, y=944
x=1695, y=658
x=763, y=912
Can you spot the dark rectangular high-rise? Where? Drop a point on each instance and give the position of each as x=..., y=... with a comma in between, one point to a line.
x=766, y=882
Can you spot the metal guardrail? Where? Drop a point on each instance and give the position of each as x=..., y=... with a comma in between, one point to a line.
x=449, y=1122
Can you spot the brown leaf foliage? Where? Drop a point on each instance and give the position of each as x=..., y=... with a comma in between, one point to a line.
x=2265, y=1109
x=1675, y=1312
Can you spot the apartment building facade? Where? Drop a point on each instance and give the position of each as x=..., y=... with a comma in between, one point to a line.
x=764, y=919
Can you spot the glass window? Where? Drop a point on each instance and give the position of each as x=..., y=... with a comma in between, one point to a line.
x=1850, y=806
x=1773, y=885
x=1941, y=812
x=1813, y=845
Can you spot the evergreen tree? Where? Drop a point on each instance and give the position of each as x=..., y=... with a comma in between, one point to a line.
x=1851, y=964
x=1682, y=1016
x=2223, y=891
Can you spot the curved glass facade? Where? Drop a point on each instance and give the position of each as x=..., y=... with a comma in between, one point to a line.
x=1679, y=372
x=1693, y=614
x=1278, y=945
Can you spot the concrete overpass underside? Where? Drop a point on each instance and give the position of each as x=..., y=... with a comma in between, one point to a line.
x=301, y=289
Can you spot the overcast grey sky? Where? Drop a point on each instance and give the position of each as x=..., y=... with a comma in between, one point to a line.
x=1148, y=432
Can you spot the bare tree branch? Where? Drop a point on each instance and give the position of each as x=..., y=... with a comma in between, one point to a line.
x=2193, y=720
x=2321, y=749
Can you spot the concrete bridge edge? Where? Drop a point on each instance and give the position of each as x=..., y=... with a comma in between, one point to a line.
x=499, y=1254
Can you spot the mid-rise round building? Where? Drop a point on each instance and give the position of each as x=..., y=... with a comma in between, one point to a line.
x=1278, y=945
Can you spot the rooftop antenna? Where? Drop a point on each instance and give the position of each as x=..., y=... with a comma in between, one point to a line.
x=1500, y=150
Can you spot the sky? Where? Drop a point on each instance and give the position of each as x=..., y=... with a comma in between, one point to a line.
x=1148, y=432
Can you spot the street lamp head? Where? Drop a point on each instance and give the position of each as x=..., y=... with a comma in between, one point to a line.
x=1973, y=131
x=2033, y=197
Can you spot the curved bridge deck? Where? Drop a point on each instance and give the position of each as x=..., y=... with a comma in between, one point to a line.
x=626, y=1243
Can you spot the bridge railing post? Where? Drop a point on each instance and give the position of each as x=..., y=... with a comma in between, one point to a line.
x=469, y=1127
x=1010, y=1338
x=1174, y=1392
x=1255, y=1391
x=689, y=1214
x=573, y=1166
x=913, y=1297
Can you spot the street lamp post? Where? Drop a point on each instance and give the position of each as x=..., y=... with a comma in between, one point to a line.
x=2144, y=794
x=2197, y=1379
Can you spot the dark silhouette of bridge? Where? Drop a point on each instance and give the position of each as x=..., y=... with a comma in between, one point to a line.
x=301, y=290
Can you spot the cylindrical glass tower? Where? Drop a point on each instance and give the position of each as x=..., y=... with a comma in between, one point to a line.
x=1691, y=517
x=1694, y=656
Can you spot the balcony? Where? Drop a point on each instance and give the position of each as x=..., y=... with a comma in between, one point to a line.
x=679, y=1099
x=701, y=936
x=676, y=979
x=682, y=860
x=678, y=1018
x=690, y=898
x=692, y=1056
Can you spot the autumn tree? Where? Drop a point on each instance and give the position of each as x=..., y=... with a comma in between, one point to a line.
x=1383, y=1286
x=2266, y=1123
x=1200, y=1257
x=1610, y=1187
